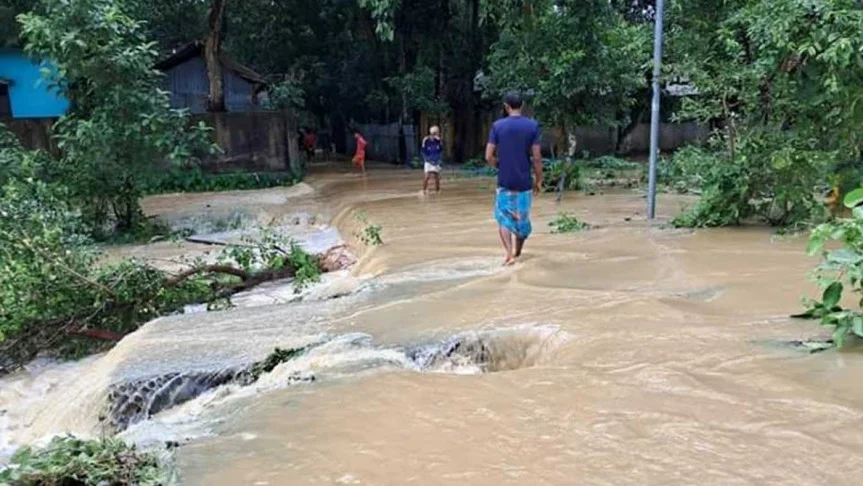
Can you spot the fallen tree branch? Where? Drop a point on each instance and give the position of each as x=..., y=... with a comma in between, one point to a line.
x=202, y=241
x=97, y=334
x=223, y=269
x=254, y=281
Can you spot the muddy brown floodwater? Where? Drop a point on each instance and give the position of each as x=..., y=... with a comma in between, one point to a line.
x=666, y=375
x=627, y=354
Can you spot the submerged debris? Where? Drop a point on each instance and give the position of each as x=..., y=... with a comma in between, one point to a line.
x=268, y=364
x=135, y=401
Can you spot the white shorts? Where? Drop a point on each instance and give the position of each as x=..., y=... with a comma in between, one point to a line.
x=431, y=168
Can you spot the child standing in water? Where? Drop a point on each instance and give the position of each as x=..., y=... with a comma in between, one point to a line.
x=360, y=155
x=432, y=150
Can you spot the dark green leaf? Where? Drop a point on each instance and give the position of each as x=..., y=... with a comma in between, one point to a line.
x=854, y=198
x=832, y=295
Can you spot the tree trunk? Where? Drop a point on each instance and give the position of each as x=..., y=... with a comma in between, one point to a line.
x=623, y=132
x=730, y=126
x=295, y=161
x=212, y=50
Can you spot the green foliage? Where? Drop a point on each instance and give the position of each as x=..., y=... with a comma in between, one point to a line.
x=44, y=255
x=684, y=171
x=609, y=162
x=195, y=180
x=287, y=95
x=9, y=28
x=121, y=126
x=557, y=169
x=382, y=12
x=72, y=461
x=277, y=357
x=270, y=252
x=52, y=291
x=771, y=177
x=307, y=269
x=370, y=234
x=567, y=223
x=17, y=163
x=781, y=82
x=418, y=89
x=581, y=60
x=839, y=270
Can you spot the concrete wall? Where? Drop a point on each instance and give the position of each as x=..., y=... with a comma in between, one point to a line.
x=602, y=140
x=29, y=94
x=597, y=140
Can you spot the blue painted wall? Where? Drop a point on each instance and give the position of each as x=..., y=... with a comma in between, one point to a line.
x=29, y=93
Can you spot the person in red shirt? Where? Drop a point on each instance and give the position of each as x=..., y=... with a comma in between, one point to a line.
x=360, y=155
x=310, y=143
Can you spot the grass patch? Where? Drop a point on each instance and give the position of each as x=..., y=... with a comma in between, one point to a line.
x=567, y=223
x=69, y=461
x=609, y=162
x=195, y=180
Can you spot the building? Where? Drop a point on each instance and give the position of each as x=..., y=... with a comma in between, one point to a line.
x=23, y=92
x=187, y=82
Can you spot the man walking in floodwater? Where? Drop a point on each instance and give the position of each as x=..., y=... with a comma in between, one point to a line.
x=513, y=147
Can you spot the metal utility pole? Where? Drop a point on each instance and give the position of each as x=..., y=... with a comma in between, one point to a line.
x=654, y=112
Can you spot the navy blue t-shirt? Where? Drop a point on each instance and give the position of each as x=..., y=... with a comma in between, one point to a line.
x=514, y=137
x=432, y=149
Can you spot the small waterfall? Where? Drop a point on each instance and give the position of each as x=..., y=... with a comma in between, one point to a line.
x=469, y=353
x=136, y=401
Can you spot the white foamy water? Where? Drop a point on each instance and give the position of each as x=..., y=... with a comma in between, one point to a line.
x=22, y=390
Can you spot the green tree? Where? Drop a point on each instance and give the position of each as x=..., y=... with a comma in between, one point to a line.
x=581, y=62
x=781, y=83
x=120, y=128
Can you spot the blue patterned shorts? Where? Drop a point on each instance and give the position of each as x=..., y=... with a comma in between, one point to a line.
x=512, y=211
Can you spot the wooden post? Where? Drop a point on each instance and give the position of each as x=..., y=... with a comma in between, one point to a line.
x=212, y=50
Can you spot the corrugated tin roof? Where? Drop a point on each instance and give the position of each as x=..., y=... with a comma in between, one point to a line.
x=195, y=49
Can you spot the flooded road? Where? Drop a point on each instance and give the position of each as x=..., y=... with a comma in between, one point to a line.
x=626, y=354
x=665, y=377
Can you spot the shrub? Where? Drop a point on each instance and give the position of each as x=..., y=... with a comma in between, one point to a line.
x=195, y=180
x=610, y=162
x=554, y=171
x=474, y=164
x=684, y=171
x=839, y=268
x=772, y=177
x=370, y=234
x=55, y=298
x=72, y=461
x=567, y=223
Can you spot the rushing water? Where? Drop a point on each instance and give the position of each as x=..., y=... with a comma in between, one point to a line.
x=627, y=354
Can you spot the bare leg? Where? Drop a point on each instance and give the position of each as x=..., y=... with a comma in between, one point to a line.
x=437, y=182
x=519, y=244
x=506, y=239
x=426, y=182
